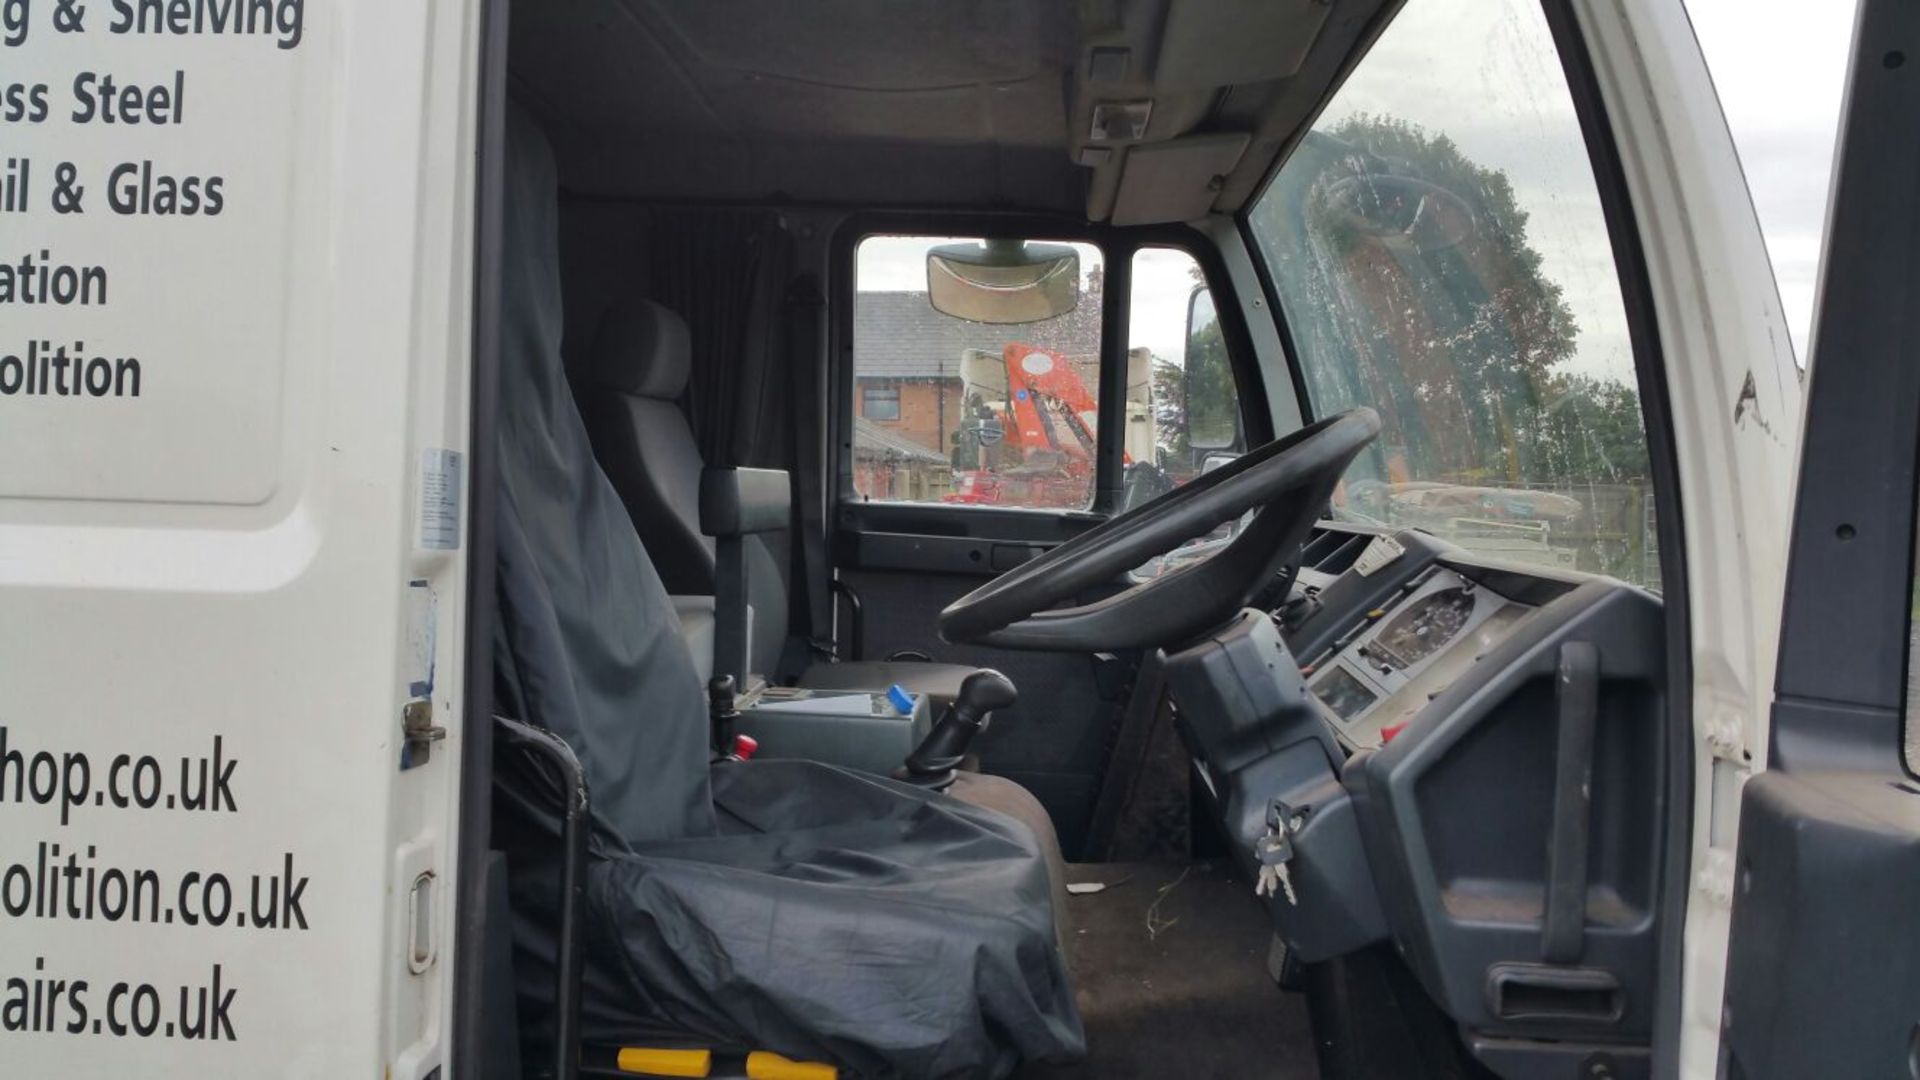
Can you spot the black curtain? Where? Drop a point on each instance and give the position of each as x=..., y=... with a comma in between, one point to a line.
x=726, y=272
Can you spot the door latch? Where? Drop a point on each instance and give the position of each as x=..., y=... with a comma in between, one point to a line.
x=418, y=732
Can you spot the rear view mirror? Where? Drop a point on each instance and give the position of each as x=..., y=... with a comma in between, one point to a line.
x=1005, y=282
x=1212, y=412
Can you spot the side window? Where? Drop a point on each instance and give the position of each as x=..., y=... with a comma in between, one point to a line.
x=976, y=371
x=1440, y=254
x=1183, y=408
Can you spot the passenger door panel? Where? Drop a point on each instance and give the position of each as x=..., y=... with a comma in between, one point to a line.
x=1467, y=820
x=904, y=563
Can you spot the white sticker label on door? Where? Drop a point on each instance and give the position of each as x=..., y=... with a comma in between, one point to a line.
x=440, y=485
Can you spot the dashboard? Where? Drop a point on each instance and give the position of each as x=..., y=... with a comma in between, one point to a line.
x=1416, y=717
x=1402, y=653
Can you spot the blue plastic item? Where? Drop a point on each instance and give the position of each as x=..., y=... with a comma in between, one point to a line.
x=902, y=700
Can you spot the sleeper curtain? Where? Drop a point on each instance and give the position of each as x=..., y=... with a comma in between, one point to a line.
x=725, y=272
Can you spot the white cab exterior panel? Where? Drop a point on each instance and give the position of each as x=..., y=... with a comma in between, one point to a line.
x=1736, y=399
x=222, y=589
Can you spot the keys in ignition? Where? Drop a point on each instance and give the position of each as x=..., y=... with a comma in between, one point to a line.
x=1275, y=851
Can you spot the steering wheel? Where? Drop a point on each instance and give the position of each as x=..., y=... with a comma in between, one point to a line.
x=1286, y=482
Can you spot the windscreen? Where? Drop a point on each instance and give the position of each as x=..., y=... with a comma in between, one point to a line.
x=1440, y=254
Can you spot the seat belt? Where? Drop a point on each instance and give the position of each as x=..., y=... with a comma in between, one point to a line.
x=813, y=579
x=732, y=641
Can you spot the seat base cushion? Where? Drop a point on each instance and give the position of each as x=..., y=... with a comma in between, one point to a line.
x=941, y=682
x=838, y=916
x=999, y=794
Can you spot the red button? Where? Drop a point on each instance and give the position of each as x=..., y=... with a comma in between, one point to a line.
x=745, y=746
x=1387, y=733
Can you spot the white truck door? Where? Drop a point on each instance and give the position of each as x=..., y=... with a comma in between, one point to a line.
x=1823, y=975
x=235, y=291
x=1729, y=399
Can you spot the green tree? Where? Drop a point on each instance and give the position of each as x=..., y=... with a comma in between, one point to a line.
x=1429, y=303
x=1170, y=414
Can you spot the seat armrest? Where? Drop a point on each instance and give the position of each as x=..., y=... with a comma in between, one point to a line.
x=734, y=502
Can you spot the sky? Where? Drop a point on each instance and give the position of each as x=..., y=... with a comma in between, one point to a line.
x=1496, y=90
x=1779, y=72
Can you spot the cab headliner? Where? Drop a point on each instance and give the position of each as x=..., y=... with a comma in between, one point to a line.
x=982, y=105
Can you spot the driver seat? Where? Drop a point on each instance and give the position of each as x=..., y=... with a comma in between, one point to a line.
x=639, y=364
x=767, y=905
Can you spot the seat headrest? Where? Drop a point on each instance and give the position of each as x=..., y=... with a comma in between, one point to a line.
x=643, y=349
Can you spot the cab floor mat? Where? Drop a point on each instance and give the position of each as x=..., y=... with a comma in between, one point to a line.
x=1169, y=965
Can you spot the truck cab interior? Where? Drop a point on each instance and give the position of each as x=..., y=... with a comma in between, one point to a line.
x=1049, y=540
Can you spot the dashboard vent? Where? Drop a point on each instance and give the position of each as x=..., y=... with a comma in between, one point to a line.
x=1332, y=553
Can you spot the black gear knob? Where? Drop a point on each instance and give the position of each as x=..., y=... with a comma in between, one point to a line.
x=722, y=711
x=984, y=691
x=933, y=762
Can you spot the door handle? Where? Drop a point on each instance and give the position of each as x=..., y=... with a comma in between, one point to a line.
x=1576, y=697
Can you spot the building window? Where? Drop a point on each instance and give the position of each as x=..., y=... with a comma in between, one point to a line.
x=880, y=402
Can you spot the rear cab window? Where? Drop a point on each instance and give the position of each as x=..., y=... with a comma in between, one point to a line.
x=1439, y=253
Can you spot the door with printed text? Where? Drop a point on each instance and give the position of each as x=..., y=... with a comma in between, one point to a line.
x=235, y=305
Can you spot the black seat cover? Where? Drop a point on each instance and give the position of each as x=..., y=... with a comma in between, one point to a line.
x=778, y=905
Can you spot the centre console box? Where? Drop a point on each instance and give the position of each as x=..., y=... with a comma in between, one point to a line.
x=857, y=729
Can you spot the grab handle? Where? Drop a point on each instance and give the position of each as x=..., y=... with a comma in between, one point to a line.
x=1576, y=698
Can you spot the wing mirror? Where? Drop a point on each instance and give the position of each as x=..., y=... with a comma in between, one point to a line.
x=1005, y=282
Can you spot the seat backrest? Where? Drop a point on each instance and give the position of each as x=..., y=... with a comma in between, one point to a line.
x=638, y=367
x=586, y=643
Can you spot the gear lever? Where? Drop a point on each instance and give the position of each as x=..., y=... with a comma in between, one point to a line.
x=933, y=762
x=723, y=711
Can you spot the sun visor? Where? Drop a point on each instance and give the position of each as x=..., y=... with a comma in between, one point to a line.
x=1210, y=43
x=1175, y=180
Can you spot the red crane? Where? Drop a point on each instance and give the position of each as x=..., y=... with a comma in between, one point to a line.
x=1032, y=422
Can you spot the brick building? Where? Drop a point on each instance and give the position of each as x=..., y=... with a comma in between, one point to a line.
x=906, y=361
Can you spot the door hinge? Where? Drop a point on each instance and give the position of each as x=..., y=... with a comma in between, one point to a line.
x=1714, y=881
